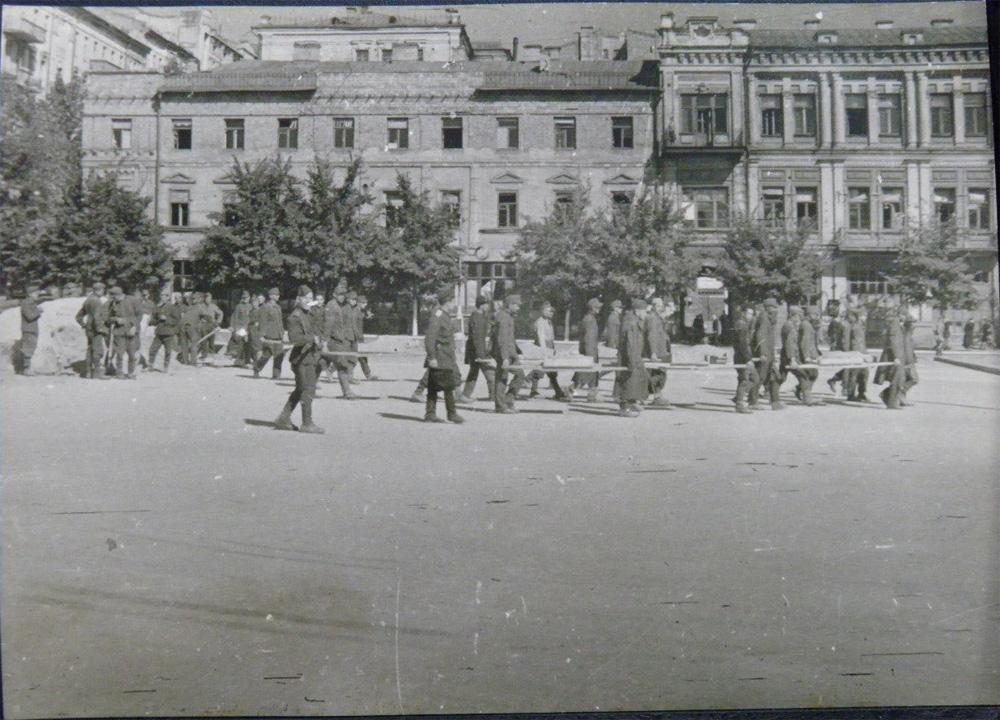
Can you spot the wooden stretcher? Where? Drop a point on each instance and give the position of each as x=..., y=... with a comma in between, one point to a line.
x=550, y=367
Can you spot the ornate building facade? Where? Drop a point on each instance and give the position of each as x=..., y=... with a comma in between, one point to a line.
x=857, y=135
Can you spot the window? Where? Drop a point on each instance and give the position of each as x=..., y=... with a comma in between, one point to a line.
x=452, y=199
x=891, y=200
x=856, y=114
x=507, y=133
x=804, y=111
x=621, y=132
x=890, y=115
x=563, y=204
x=288, y=133
x=343, y=132
x=975, y=114
x=979, y=209
x=182, y=134
x=772, y=122
x=490, y=270
x=704, y=114
x=387, y=55
x=942, y=115
x=393, y=208
x=361, y=55
x=183, y=275
x=806, y=206
x=180, y=208
x=859, y=211
x=866, y=280
x=451, y=133
x=944, y=204
x=773, y=202
x=622, y=198
x=399, y=133
x=420, y=53
x=507, y=209
x=234, y=134
x=121, y=133
x=709, y=206
x=565, y=133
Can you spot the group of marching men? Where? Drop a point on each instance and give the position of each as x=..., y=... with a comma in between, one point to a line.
x=326, y=336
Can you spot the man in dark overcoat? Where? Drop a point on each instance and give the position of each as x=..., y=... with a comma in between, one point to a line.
x=631, y=385
x=476, y=349
x=443, y=374
x=764, y=346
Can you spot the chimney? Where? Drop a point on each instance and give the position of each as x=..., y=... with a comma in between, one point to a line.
x=884, y=25
x=747, y=24
x=942, y=22
x=453, y=17
x=265, y=19
x=513, y=50
x=667, y=21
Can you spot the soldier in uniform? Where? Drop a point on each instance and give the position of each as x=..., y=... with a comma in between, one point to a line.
x=441, y=363
x=190, y=319
x=589, y=337
x=613, y=325
x=893, y=352
x=93, y=318
x=505, y=351
x=477, y=348
x=209, y=321
x=361, y=314
x=124, y=325
x=304, y=359
x=910, y=376
x=747, y=379
x=167, y=321
x=29, y=329
x=839, y=333
x=809, y=354
x=790, y=355
x=340, y=331
x=764, y=347
x=656, y=346
x=239, y=322
x=545, y=338
x=856, y=382
x=272, y=331
x=631, y=385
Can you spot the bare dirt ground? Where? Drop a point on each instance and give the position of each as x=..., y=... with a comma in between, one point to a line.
x=166, y=552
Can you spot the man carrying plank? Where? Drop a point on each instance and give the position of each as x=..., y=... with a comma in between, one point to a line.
x=656, y=346
x=748, y=381
x=763, y=346
x=505, y=354
x=631, y=384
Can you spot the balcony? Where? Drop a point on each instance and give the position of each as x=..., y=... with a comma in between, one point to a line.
x=712, y=143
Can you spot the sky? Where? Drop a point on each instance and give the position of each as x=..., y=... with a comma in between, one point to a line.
x=552, y=21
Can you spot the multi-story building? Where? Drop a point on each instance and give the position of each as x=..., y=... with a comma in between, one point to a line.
x=860, y=134
x=856, y=135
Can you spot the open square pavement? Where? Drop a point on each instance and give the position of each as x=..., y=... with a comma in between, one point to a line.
x=166, y=552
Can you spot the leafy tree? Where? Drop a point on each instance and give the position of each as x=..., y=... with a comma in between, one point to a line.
x=40, y=173
x=930, y=266
x=110, y=237
x=416, y=253
x=763, y=260
x=575, y=254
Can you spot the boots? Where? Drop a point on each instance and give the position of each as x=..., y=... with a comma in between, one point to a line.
x=466, y=397
x=775, y=390
x=345, y=385
x=430, y=408
x=284, y=420
x=307, y=419
x=534, y=386
x=449, y=404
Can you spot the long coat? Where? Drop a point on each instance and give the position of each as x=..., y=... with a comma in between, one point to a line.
x=504, y=342
x=631, y=385
x=477, y=340
x=892, y=351
x=340, y=332
x=763, y=346
x=439, y=342
x=612, y=329
x=589, y=336
x=742, y=353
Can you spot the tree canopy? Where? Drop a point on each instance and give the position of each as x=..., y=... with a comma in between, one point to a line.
x=931, y=266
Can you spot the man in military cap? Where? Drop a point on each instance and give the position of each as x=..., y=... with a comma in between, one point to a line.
x=340, y=331
x=93, y=318
x=124, y=325
x=476, y=349
x=239, y=322
x=272, y=331
x=30, y=313
x=809, y=355
x=589, y=338
x=839, y=335
x=505, y=351
x=747, y=379
x=764, y=346
x=856, y=379
x=351, y=315
x=894, y=352
x=656, y=346
x=190, y=323
x=790, y=356
x=167, y=323
x=441, y=363
x=631, y=385
x=304, y=359
x=612, y=326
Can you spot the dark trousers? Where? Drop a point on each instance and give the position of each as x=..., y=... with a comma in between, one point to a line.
x=188, y=352
x=124, y=345
x=896, y=376
x=747, y=385
x=95, y=355
x=29, y=341
x=508, y=382
x=168, y=343
x=440, y=381
x=271, y=348
x=553, y=377
x=475, y=368
x=657, y=381
x=856, y=384
x=769, y=377
x=807, y=378
x=363, y=362
x=910, y=379
x=306, y=377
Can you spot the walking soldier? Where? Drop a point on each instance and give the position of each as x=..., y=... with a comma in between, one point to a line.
x=505, y=351
x=857, y=379
x=273, y=333
x=589, y=338
x=748, y=381
x=631, y=385
x=124, y=325
x=167, y=321
x=339, y=331
x=764, y=346
x=304, y=359
x=442, y=366
x=476, y=349
x=239, y=322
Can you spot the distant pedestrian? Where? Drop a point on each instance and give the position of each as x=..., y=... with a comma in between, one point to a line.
x=656, y=346
x=124, y=324
x=698, y=329
x=255, y=341
x=340, y=332
x=505, y=354
x=239, y=323
x=856, y=381
x=612, y=326
x=894, y=352
x=30, y=313
x=764, y=343
x=361, y=314
x=910, y=376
